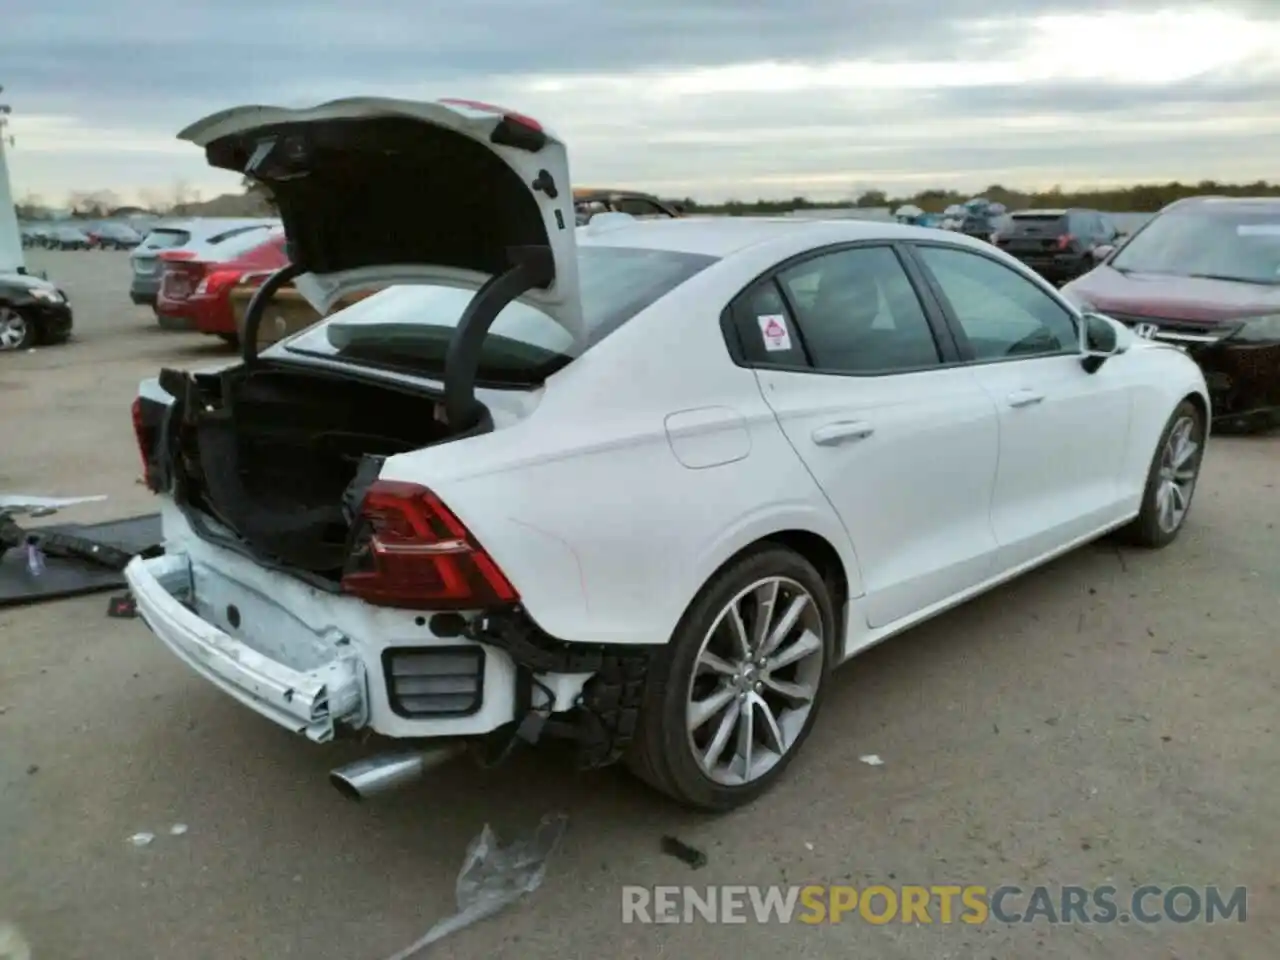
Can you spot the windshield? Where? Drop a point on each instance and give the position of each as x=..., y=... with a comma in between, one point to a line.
x=1226, y=243
x=409, y=327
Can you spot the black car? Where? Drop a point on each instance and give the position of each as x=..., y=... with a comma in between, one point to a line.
x=1060, y=245
x=32, y=311
x=115, y=236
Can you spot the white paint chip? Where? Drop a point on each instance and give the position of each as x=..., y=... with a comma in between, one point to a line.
x=872, y=760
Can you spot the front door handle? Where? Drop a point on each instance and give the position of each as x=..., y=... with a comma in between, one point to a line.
x=842, y=431
x=1025, y=398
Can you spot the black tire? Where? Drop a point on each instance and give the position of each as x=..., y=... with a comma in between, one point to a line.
x=30, y=331
x=1146, y=530
x=661, y=753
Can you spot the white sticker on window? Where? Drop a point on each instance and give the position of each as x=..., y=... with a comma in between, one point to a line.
x=773, y=328
x=1258, y=230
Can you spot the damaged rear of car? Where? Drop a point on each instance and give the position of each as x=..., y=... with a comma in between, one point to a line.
x=309, y=572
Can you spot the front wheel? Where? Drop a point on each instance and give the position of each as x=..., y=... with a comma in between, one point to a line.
x=16, y=331
x=737, y=690
x=1171, y=479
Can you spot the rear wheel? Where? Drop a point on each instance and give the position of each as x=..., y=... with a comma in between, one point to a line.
x=735, y=694
x=16, y=331
x=1171, y=480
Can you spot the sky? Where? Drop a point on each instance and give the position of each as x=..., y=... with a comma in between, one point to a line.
x=714, y=99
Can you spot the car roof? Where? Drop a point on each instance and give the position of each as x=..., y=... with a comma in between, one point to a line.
x=722, y=236
x=1237, y=202
x=1041, y=213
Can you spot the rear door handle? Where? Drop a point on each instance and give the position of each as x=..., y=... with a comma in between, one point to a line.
x=1025, y=398
x=842, y=431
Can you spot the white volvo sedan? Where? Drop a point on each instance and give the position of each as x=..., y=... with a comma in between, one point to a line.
x=638, y=485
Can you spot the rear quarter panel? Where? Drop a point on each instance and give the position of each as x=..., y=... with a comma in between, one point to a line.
x=584, y=505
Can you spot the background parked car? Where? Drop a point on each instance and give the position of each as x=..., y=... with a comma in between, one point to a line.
x=1060, y=245
x=69, y=238
x=195, y=293
x=588, y=201
x=189, y=239
x=32, y=311
x=114, y=236
x=1204, y=274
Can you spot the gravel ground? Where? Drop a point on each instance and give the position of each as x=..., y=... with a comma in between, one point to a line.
x=1106, y=719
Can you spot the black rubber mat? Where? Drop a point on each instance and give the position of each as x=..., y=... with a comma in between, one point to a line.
x=70, y=578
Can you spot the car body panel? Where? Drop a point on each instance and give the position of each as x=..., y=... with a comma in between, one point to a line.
x=608, y=534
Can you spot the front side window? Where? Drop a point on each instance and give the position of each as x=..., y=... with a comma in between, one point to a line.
x=858, y=313
x=409, y=327
x=1211, y=241
x=1001, y=313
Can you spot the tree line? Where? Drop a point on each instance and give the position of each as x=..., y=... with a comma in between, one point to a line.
x=1138, y=198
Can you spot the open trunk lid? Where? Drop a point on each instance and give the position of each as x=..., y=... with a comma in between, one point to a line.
x=377, y=191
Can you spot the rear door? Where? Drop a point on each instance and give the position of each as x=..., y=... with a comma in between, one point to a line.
x=855, y=367
x=1063, y=431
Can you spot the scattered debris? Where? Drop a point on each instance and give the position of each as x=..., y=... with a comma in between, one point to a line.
x=33, y=769
x=1050, y=721
x=122, y=607
x=872, y=760
x=675, y=847
x=142, y=839
x=178, y=829
x=808, y=845
x=30, y=503
x=493, y=877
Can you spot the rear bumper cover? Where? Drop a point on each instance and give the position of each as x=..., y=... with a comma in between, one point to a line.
x=309, y=701
x=1243, y=378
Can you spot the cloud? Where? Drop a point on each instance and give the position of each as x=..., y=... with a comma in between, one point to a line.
x=706, y=96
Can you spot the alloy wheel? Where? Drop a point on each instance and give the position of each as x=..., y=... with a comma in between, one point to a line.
x=755, y=681
x=1179, y=468
x=13, y=329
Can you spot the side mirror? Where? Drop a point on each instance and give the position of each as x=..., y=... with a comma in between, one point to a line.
x=1101, y=342
x=1102, y=251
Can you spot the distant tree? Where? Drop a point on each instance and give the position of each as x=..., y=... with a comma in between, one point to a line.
x=872, y=198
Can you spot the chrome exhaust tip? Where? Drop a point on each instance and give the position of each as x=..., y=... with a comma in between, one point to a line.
x=388, y=771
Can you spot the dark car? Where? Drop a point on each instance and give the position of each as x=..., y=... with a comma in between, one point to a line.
x=1204, y=274
x=1060, y=245
x=588, y=201
x=32, y=311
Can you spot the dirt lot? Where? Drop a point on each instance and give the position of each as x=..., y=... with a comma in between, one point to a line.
x=1109, y=719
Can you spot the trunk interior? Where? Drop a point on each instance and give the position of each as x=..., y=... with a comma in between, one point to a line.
x=282, y=456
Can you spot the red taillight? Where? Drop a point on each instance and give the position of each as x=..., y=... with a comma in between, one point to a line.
x=1065, y=241
x=216, y=283
x=182, y=278
x=411, y=551
x=145, y=437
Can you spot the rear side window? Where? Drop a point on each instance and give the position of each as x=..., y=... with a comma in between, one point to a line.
x=166, y=239
x=243, y=242
x=639, y=207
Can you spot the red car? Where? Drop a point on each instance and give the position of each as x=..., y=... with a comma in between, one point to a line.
x=196, y=294
x=1204, y=275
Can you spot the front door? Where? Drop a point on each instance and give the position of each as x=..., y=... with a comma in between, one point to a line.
x=1063, y=431
x=904, y=447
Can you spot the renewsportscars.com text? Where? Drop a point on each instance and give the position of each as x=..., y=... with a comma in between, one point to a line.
x=940, y=904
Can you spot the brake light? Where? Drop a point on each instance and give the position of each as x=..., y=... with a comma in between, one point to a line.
x=182, y=278
x=410, y=551
x=145, y=436
x=169, y=255
x=217, y=282
x=1065, y=241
